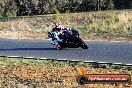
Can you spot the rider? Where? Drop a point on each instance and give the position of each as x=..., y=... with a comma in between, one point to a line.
x=57, y=30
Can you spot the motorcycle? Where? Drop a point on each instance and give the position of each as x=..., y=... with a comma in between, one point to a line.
x=70, y=39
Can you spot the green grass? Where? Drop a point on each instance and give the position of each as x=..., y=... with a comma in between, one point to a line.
x=54, y=63
x=35, y=62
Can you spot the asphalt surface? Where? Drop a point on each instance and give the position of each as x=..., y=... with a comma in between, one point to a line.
x=99, y=51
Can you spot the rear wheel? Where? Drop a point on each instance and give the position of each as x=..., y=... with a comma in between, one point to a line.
x=83, y=44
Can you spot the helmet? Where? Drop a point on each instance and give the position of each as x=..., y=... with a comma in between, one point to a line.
x=58, y=27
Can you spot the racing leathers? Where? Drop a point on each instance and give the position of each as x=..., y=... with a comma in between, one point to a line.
x=58, y=30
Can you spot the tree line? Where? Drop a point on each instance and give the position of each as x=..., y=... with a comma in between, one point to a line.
x=9, y=8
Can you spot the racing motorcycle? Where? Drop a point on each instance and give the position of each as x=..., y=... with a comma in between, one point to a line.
x=70, y=39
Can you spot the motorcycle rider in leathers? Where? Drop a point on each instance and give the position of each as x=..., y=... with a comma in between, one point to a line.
x=57, y=30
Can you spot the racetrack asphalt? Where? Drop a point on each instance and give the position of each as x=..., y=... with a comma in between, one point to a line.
x=99, y=51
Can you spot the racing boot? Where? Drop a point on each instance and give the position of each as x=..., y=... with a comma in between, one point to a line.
x=58, y=46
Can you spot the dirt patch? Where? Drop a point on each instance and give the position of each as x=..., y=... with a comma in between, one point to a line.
x=23, y=34
x=106, y=37
x=48, y=76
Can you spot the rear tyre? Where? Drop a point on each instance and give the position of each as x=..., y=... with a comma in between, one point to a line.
x=83, y=44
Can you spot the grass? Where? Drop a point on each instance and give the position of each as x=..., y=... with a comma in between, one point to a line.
x=105, y=24
x=32, y=62
x=34, y=73
x=26, y=72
